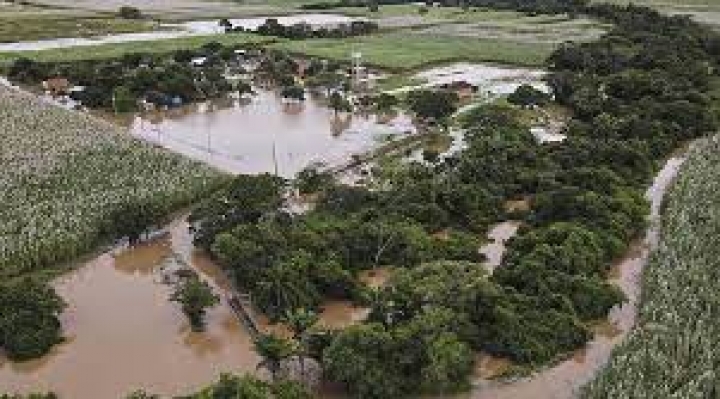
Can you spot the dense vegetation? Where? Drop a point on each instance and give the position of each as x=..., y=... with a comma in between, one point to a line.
x=272, y=27
x=236, y=387
x=29, y=312
x=636, y=94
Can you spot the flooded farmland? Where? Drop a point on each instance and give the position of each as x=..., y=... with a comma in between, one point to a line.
x=255, y=136
x=124, y=334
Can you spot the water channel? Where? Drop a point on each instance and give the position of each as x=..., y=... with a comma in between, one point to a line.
x=171, y=31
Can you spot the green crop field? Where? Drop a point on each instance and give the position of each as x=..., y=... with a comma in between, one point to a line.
x=672, y=352
x=114, y=50
x=403, y=51
x=64, y=173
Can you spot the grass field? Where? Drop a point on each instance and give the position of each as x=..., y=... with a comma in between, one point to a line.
x=26, y=27
x=105, y=51
x=404, y=51
x=64, y=173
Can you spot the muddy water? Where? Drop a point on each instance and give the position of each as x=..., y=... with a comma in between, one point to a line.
x=491, y=79
x=251, y=136
x=565, y=379
x=123, y=333
x=498, y=235
x=170, y=31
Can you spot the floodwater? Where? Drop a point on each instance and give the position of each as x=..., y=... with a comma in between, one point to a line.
x=124, y=334
x=564, y=380
x=498, y=235
x=492, y=80
x=170, y=31
x=258, y=135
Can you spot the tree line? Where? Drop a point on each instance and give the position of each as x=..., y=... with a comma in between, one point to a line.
x=637, y=93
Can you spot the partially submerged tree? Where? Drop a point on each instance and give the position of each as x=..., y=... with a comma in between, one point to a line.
x=195, y=296
x=29, y=324
x=274, y=350
x=338, y=103
x=128, y=12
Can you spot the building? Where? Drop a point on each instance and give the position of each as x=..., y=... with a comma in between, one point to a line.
x=57, y=86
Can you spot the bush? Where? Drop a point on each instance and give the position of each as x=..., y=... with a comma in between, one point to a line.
x=128, y=12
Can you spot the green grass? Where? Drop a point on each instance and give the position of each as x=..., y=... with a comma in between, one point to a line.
x=407, y=51
x=107, y=51
x=27, y=27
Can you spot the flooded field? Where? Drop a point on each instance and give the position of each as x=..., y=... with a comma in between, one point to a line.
x=497, y=80
x=498, y=235
x=169, y=31
x=563, y=380
x=253, y=136
x=124, y=334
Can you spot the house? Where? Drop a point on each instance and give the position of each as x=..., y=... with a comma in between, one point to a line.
x=463, y=89
x=57, y=86
x=199, y=61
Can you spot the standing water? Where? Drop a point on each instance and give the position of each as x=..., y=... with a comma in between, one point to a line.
x=124, y=334
x=265, y=133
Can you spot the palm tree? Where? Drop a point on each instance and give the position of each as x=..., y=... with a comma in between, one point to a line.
x=300, y=321
x=274, y=350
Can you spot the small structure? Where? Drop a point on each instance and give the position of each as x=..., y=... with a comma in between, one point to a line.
x=462, y=88
x=199, y=61
x=57, y=86
x=544, y=135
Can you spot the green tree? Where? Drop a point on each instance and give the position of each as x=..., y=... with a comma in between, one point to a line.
x=274, y=350
x=124, y=100
x=195, y=296
x=300, y=321
x=128, y=12
x=527, y=96
x=434, y=105
x=450, y=362
x=338, y=103
x=29, y=324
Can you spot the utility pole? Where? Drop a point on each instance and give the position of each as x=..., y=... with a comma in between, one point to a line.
x=274, y=156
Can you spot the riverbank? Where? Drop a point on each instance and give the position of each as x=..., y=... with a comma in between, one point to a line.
x=671, y=352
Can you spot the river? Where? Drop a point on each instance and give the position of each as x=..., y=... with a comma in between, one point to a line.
x=171, y=31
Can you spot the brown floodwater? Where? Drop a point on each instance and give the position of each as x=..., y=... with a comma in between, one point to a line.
x=564, y=380
x=124, y=334
x=258, y=135
x=498, y=236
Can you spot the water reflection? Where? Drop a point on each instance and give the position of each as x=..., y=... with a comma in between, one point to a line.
x=242, y=137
